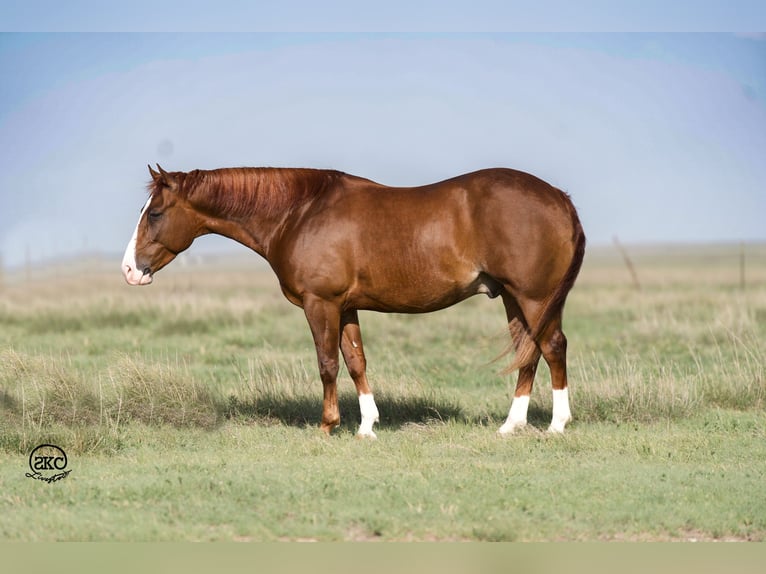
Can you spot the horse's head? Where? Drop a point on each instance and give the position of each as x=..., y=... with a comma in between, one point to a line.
x=167, y=225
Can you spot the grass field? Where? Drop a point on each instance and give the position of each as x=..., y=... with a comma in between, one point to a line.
x=189, y=410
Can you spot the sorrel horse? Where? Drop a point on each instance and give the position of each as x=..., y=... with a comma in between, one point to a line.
x=339, y=244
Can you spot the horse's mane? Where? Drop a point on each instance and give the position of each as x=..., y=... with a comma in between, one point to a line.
x=243, y=191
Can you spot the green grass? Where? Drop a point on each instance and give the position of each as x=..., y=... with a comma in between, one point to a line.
x=445, y=481
x=190, y=410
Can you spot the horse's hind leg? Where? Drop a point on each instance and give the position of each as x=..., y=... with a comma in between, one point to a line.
x=554, y=348
x=353, y=354
x=517, y=416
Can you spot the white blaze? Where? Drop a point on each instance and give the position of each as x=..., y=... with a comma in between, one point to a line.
x=130, y=270
x=369, y=415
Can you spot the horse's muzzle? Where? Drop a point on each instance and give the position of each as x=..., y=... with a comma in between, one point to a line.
x=135, y=276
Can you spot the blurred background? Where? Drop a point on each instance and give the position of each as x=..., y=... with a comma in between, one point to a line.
x=658, y=137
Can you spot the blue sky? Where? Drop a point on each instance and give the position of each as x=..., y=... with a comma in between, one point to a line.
x=657, y=136
x=391, y=15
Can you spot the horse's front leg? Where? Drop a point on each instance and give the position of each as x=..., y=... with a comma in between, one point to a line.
x=324, y=321
x=353, y=353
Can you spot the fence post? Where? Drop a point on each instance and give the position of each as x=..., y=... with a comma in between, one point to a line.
x=628, y=262
x=742, y=265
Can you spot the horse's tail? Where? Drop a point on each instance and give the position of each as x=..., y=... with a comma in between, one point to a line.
x=524, y=338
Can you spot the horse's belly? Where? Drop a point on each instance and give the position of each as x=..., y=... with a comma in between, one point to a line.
x=414, y=292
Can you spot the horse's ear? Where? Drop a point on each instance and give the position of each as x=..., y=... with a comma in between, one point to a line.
x=168, y=179
x=154, y=174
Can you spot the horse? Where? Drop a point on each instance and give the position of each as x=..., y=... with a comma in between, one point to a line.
x=339, y=244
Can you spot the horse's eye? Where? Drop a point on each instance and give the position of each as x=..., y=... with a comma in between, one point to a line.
x=154, y=215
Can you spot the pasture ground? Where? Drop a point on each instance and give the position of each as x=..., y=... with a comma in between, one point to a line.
x=189, y=411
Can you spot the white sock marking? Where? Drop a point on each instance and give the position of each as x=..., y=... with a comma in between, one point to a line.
x=517, y=416
x=370, y=415
x=561, y=412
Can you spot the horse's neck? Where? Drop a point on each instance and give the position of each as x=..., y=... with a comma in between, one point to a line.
x=250, y=206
